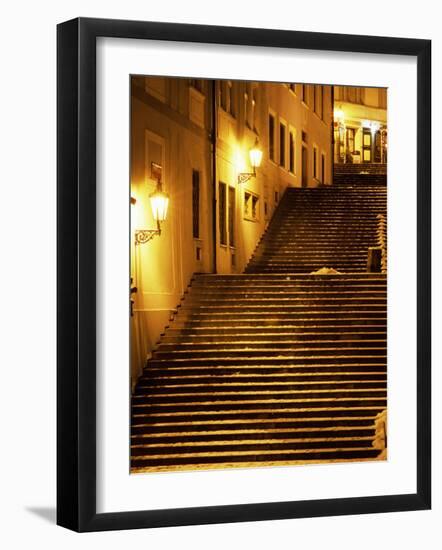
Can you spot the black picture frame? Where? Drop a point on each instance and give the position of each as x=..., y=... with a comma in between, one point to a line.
x=76, y=272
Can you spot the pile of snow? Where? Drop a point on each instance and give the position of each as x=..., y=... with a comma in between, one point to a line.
x=380, y=439
x=326, y=271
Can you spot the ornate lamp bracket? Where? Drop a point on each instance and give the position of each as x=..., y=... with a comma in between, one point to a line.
x=143, y=236
x=244, y=177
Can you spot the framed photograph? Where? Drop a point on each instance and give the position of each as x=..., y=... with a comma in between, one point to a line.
x=243, y=274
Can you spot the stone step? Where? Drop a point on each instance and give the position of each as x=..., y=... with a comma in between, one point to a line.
x=356, y=278
x=290, y=291
x=257, y=352
x=255, y=303
x=309, y=261
x=206, y=339
x=244, y=384
x=218, y=332
x=220, y=403
x=318, y=311
x=283, y=323
x=210, y=319
x=256, y=435
x=242, y=400
x=297, y=420
x=152, y=382
x=331, y=282
x=180, y=450
x=250, y=458
x=252, y=343
x=308, y=360
x=305, y=250
x=302, y=268
x=289, y=411
x=260, y=293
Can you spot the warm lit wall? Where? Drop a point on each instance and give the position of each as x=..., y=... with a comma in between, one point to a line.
x=162, y=132
x=236, y=137
x=302, y=117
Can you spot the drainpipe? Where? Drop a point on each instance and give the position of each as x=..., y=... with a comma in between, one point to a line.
x=213, y=144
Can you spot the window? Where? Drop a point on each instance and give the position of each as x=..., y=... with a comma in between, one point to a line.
x=322, y=102
x=271, y=137
x=251, y=204
x=196, y=83
x=222, y=213
x=156, y=87
x=292, y=88
x=254, y=207
x=231, y=216
x=282, y=132
x=292, y=151
x=246, y=108
x=315, y=98
x=322, y=168
x=196, y=204
x=227, y=98
x=254, y=107
x=304, y=93
x=250, y=96
x=315, y=162
x=276, y=197
x=223, y=95
x=230, y=98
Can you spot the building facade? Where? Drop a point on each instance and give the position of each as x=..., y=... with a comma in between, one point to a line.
x=195, y=136
x=360, y=125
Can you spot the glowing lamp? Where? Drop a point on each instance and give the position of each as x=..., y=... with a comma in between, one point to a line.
x=255, y=155
x=159, y=202
x=339, y=114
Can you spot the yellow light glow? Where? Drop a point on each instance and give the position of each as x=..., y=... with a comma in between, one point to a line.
x=372, y=125
x=239, y=162
x=136, y=209
x=375, y=127
x=159, y=202
x=255, y=155
x=339, y=114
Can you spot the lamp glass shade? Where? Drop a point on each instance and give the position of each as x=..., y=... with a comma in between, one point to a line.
x=339, y=114
x=255, y=156
x=159, y=202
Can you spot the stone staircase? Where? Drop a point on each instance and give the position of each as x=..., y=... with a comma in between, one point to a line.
x=274, y=366
x=360, y=174
x=320, y=227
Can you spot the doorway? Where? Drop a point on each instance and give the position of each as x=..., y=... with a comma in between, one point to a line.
x=366, y=145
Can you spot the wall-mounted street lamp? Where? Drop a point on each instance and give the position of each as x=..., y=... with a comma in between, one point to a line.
x=255, y=156
x=159, y=203
x=339, y=115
